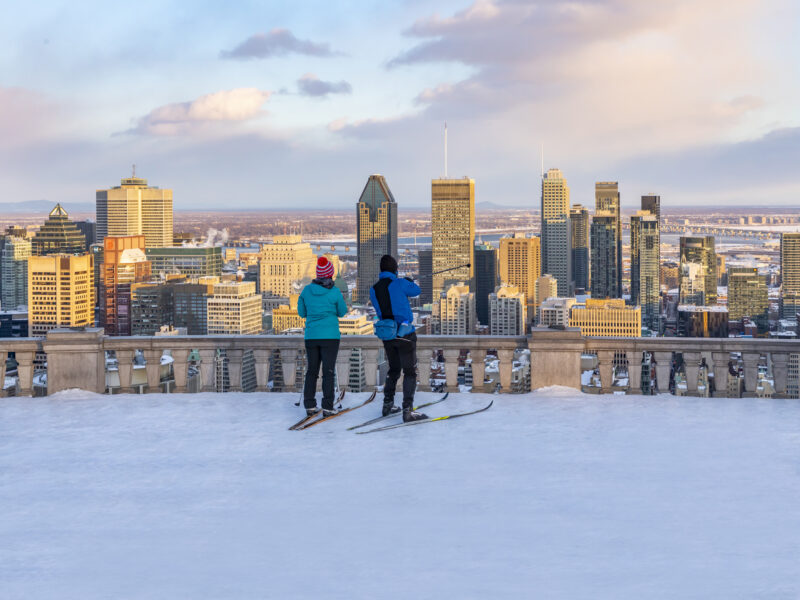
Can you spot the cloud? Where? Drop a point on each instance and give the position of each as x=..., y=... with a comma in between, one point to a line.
x=239, y=104
x=310, y=85
x=278, y=42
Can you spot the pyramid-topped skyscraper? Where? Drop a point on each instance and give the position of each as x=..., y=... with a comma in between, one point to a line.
x=58, y=235
x=376, y=214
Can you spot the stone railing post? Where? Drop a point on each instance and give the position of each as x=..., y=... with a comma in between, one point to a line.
x=691, y=366
x=506, y=366
x=750, y=360
x=478, y=370
x=152, y=359
x=261, y=357
x=125, y=370
x=235, y=369
x=75, y=359
x=451, y=368
x=25, y=371
x=289, y=364
x=663, y=369
x=371, y=367
x=180, y=368
x=605, y=360
x=343, y=368
x=780, y=373
x=208, y=368
x=635, y=372
x=721, y=360
x=556, y=357
x=3, y=358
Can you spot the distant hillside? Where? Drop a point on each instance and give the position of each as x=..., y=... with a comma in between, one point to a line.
x=44, y=206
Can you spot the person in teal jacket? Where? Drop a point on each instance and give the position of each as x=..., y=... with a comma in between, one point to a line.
x=321, y=304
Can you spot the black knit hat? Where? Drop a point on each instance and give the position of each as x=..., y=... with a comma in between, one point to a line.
x=388, y=263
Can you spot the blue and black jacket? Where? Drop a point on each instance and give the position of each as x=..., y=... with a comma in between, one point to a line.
x=390, y=298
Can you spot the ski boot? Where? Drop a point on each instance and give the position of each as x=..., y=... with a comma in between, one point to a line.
x=412, y=415
x=389, y=408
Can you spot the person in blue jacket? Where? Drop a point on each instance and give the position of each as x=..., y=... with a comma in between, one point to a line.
x=390, y=299
x=321, y=304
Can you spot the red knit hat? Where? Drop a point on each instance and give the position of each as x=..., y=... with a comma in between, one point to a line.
x=324, y=268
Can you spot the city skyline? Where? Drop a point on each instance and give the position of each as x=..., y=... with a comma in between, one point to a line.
x=242, y=102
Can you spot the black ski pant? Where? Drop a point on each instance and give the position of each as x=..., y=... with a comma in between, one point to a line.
x=401, y=353
x=320, y=353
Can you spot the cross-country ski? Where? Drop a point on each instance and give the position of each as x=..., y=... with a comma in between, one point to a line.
x=316, y=415
x=384, y=417
x=430, y=420
x=337, y=414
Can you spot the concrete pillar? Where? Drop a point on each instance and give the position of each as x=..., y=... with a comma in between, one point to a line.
x=634, y=372
x=125, y=370
x=343, y=368
x=721, y=360
x=556, y=357
x=208, y=367
x=3, y=358
x=289, y=363
x=25, y=372
x=451, y=368
x=780, y=372
x=750, y=360
x=605, y=360
x=235, y=369
x=478, y=370
x=261, y=357
x=506, y=366
x=75, y=359
x=180, y=368
x=691, y=366
x=371, y=367
x=153, y=369
x=663, y=368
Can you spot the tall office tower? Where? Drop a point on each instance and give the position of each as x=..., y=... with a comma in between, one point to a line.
x=89, y=230
x=58, y=235
x=652, y=204
x=520, y=266
x=176, y=303
x=234, y=308
x=579, y=221
x=556, y=234
x=485, y=279
x=546, y=287
x=376, y=233
x=191, y=262
x=286, y=265
x=748, y=296
x=60, y=292
x=508, y=311
x=134, y=208
x=608, y=317
x=698, y=271
x=607, y=199
x=646, y=268
x=454, y=311
x=790, y=275
x=453, y=232
x=124, y=265
x=605, y=268
x=14, y=272
x=425, y=275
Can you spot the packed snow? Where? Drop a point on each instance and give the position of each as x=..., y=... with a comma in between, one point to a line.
x=547, y=495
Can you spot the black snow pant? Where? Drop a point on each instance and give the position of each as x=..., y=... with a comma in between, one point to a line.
x=401, y=353
x=320, y=352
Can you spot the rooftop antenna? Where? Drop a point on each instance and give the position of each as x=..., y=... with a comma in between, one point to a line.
x=445, y=149
x=133, y=176
x=542, y=159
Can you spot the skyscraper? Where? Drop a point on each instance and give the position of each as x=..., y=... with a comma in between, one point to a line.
x=698, y=271
x=286, y=264
x=790, y=275
x=556, y=235
x=376, y=232
x=425, y=275
x=124, y=264
x=579, y=221
x=605, y=268
x=234, y=309
x=58, y=235
x=520, y=266
x=485, y=279
x=454, y=311
x=652, y=204
x=192, y=262
x=748, y=296
x=16, y=252
x=134, y=208
x=453, y=232
x=508, y=311
x=89, y=231
x=646, y=268
x=607, y=199
x=60, y=292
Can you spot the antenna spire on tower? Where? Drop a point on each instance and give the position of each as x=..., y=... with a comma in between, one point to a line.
x=542, y=159
x=445, y=149
x=134, y=171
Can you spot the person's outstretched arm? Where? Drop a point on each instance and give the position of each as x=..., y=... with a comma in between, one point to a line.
x=410, y=288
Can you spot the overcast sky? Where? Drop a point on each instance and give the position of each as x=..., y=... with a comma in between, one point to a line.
x=294, y=104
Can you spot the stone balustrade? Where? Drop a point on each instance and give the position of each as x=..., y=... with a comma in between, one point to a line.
x=78, y=359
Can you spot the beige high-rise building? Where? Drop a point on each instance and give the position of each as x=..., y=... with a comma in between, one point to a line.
x=454, y=311
x=556, y=232
x=507, y=311
x=453, y=231
x=555, y=195
x=609, y=317
x=546, y=287
x=60, y=292
x=554, y=312
x=286, y=265
x=234, y=309
x=790, y=275
x=520, y=266
x=134, y=208
x=286, y=317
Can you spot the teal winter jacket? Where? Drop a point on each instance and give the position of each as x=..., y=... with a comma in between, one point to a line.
x=321, y=304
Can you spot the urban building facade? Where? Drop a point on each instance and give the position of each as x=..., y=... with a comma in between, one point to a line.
x=608, y=317
x=425, y=257
x=134, y=208
x=748, y=296
x=702, y=321
x=234, y=308
x=554, y=312
x=790, y=275
x=179, y=303
x=607, y=200
x=124, y=265
x=376, y=233
x=452, y=232
x=606, y=276
x=454, y=311
x=546, y=287
x=579, y=222
x=188, y=261
x=556, y=231
x=58, y=235
x=60, y=292
x=485, y=279
x=508, y=311
x=14, y=256
x=286, y=265
x=520, y=266
x=698, y=271
x=646, y=268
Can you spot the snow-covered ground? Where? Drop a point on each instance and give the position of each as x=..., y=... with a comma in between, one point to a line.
x=549, y=495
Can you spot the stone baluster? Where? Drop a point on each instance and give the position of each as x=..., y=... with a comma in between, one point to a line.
x=691, y=366
x=478, y=370
x=780, y=373
x=663, y=369
x=3, y=357
x=371, y=367
x=289, y=364
x=451, y=368
x=25, y=372
x=635, y=372
x=506, y=366
x=180, y=368
x=605, y=359
x=261, y=357
x=235, y=369
x=125, y=370
x=208, y=367
x=750, y=360
x=721, y=360
x=152, y=359
x=343, y=368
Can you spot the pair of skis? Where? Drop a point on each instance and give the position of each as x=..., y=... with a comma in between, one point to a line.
x=309, y=421
x=430, y=420
x=383, y=418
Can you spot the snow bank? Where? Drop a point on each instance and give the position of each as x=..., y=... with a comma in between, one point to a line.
x=208, y=496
